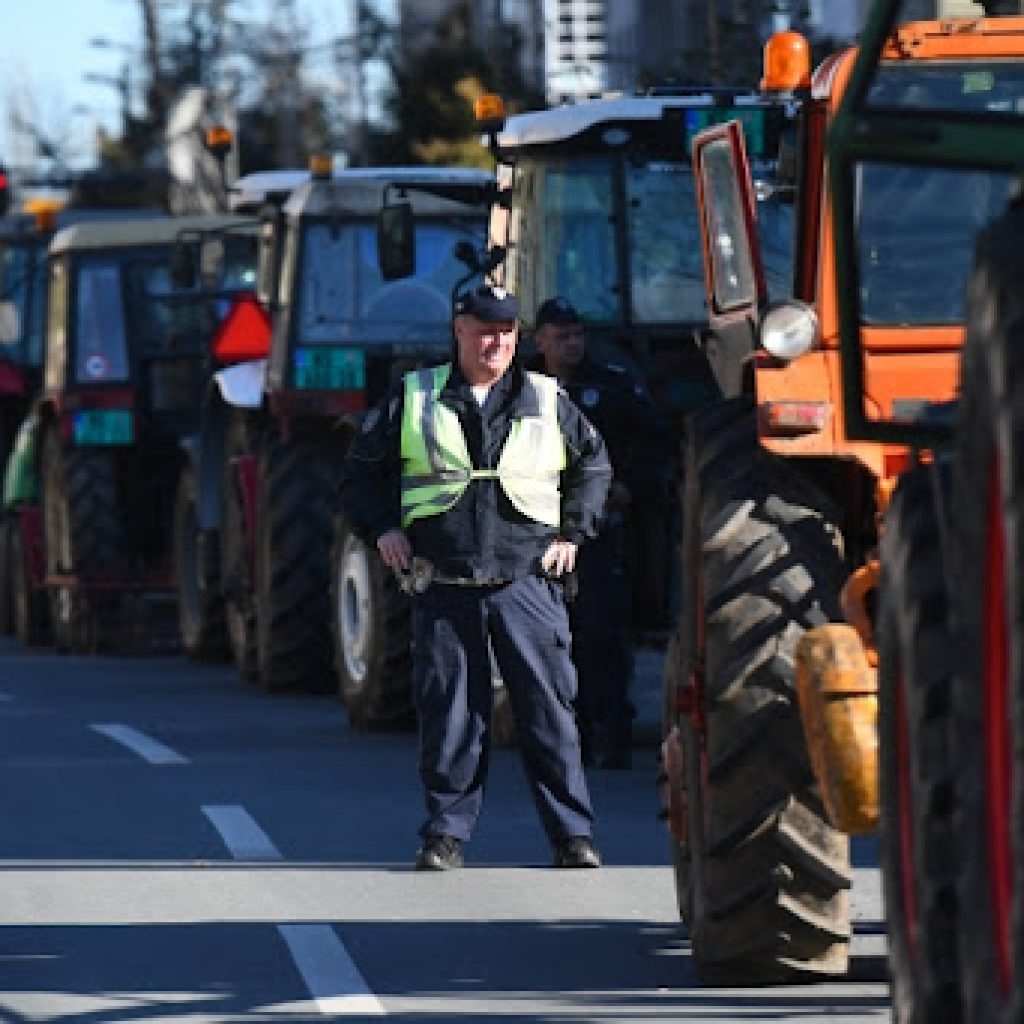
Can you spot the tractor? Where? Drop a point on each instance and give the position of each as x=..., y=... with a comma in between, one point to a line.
x=90, y=483
x=944, y=633
x=305, y=604
x=782, y=499
x=597, y=203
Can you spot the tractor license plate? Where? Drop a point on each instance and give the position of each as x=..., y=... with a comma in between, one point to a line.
x=330, y=369
x=102, y=426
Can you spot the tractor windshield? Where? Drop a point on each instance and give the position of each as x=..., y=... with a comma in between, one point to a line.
x=917, y=225
x=171, y=321
x=130, y=295
x=574, y=250
x=22, y=285
x=343, y=298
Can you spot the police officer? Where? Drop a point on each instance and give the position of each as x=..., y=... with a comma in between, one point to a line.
x=485, y=479
x=633, y=431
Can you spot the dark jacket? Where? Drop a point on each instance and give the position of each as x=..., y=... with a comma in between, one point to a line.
x=482, y=536
x=628, y=421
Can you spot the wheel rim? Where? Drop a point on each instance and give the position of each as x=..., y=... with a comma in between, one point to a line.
x=998, y=747
x=354, y=609
x=908, y=894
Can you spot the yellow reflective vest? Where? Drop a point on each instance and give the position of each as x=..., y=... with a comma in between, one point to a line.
x=436, y=466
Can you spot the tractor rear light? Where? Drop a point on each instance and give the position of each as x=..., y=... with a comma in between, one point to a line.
x=787, y=419
x=789, y=330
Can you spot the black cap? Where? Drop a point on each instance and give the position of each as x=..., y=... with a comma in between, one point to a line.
x=488, y=303
x=556, y=311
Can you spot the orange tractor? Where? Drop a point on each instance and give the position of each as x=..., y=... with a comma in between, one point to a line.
x=770, y=734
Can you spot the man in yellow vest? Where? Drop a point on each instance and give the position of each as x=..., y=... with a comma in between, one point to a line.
x=490, y=476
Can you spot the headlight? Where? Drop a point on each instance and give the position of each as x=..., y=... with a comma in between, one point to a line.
x=789, y=330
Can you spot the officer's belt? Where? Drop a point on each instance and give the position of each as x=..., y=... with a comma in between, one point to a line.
x=422, y=574
x=467, y=581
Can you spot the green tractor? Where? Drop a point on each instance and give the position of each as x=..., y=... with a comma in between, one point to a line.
x=89, y=488
x=950, y=610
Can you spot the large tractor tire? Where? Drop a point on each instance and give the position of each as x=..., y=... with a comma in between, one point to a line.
x=84, y=536
x=370, y=622
x=297, y=495
x=768, y=874
x=31, y=606
x=201, y=614
x=988, y=615
x=915, y=767
x=235, y=559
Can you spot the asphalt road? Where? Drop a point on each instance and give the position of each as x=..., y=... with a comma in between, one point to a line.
x=177, y=846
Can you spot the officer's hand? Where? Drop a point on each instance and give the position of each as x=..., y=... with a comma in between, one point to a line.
x=395, y=550
x=560, y=557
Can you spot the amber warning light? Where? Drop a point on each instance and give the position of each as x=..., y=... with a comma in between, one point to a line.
x=321, y=167
x=44, y=211
x=787, y=63
x=218, y=140
x=489, y=111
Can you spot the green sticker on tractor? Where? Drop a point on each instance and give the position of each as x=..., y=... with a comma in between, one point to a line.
x=330, y=369
x=103, y=426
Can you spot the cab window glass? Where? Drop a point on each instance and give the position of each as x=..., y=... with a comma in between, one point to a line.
x=732, y=271
x=342, y=295
x=573, y=250
x=666, y=270
x=14, y=296
x=100, y=344
x=916, y=228
x=993, y=87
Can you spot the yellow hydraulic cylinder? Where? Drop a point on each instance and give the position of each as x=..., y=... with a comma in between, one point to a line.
x=838, y=694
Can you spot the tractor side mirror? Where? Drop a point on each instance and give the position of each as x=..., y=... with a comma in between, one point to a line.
x=183, y=266
x=396, y=242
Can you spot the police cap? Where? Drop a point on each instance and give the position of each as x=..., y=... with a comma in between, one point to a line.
x=556, y=311
x=489, y=303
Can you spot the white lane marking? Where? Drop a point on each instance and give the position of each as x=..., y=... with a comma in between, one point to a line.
x=146, y=747
x=244, y=839
x=330, y=974
x=332, y=978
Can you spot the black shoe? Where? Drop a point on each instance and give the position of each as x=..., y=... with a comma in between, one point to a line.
x=577, y=852
x=439, y=853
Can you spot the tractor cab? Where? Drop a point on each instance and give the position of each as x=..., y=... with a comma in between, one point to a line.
x=89, y=490
x=125, y=338
x=599, y=206
x=343, y=330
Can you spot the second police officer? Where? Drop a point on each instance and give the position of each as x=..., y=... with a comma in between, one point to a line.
x=480, y=480
x=634, y=434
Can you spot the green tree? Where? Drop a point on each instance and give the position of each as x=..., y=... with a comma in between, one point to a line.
x=431, y=105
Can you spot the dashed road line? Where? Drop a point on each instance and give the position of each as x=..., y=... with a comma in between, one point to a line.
x=333, y=980
x=244, y=839
x=146, y=747
x=335, y=983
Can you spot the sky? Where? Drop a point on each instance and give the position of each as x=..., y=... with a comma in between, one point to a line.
x=45, y=52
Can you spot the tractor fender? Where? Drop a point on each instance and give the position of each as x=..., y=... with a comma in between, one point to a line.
x=838, y=693
x=241, y=386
